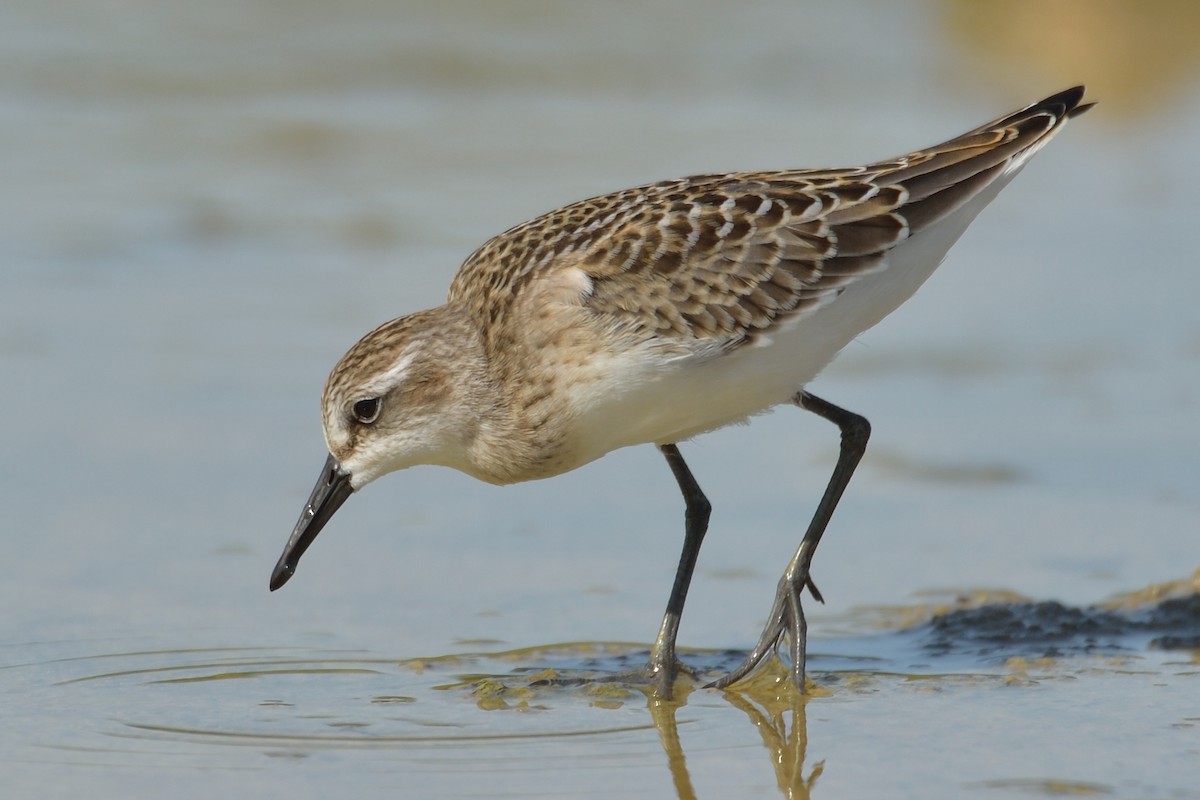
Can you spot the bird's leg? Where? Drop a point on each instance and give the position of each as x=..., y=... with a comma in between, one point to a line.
x=787, y=617
x=664, y=665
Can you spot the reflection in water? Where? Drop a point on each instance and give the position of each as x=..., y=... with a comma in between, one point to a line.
x=787, y=746
x=294, y=703
x=663, y=714
x=769, y=701
x=770, y=704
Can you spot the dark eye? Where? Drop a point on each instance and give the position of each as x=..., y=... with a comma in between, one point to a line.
x=366, y=410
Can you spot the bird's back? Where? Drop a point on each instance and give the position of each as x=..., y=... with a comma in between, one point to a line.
x=717, y=296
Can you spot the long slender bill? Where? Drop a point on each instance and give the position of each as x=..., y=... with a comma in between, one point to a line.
x=332, y=489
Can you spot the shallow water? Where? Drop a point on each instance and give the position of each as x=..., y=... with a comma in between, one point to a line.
x=988, y=684
x=205, y=205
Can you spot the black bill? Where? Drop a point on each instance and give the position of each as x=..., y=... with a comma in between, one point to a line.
x=332, y=489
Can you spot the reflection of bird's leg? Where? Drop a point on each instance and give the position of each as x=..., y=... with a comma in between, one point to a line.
x=788, y=749
x=663, y=714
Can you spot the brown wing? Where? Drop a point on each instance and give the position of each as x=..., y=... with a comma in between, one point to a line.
x=723, y=257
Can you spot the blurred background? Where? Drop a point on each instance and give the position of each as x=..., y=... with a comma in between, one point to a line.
x=203, y=205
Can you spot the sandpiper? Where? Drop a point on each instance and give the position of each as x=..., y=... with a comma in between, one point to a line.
x=654, y=314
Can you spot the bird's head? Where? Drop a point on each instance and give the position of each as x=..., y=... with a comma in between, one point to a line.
x=390, y=402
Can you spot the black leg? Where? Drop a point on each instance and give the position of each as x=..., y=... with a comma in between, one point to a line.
x=663, y=663
x=787, y=617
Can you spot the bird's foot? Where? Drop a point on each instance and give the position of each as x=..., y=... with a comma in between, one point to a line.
x=663, y=670
x=659, y=679
x=786, y=620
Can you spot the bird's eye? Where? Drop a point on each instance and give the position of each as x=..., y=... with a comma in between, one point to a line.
x=366, y=410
